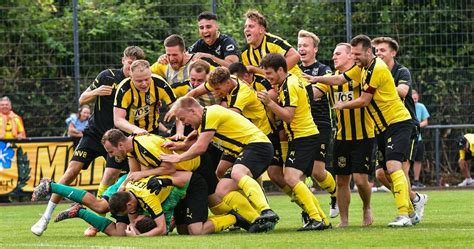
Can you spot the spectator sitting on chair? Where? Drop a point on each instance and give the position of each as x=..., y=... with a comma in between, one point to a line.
x=466, y=153
x=77, y=123
x=11, y=125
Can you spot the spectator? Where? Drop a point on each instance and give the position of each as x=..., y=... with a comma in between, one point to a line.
x=422, y=115
x=466, y=153
x=77, y=123
x=11, y=125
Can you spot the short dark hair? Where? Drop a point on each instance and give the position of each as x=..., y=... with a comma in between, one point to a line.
x=274, y=61
x=145, y=225
x=114, y=136
x=174, y=40
x=134, y=52
x=218, y=76
x=200, y=66
x=207, y=15
x=389, y=40
x=237, y=68
x=362, y=39
x=118, y=202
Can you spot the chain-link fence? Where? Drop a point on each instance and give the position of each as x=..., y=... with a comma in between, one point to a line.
x=37, y=46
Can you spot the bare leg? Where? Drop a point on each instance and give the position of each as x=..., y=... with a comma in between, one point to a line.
x=365, y=192
x=343, y=198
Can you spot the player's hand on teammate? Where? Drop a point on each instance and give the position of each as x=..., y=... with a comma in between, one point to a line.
x=338, y=105
x=129, y=231
x=172, y=145
x=264, y=97
x=172, y=158
x=155, y=184
x=200, y=56
x=103, y=90
x=310, y=78
x=139, y=131
x=135, y=176
x=163, y=59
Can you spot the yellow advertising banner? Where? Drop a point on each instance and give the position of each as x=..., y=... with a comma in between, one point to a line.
x=24, y=162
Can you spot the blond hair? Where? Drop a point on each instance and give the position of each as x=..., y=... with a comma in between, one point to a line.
x=303, y=34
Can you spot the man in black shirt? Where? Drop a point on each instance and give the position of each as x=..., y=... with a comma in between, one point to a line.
x=102, y=91
x=216, y=48
x=386, y=48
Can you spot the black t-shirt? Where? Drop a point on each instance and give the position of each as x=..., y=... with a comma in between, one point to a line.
x=224, y=46
x=320, y=109
x=402, y=75
x=102, y=119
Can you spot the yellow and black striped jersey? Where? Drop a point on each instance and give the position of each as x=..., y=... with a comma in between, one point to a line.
x=259, y=83
x=470, y=141
x=292, y=93
x=243, y=98
x=147, y=150
x=149, y=202
x=270, y=44
x=385, y=108
x=352, y=124
x=143, y=107
x=169, y=74
x=232, y=130
x=182, y=88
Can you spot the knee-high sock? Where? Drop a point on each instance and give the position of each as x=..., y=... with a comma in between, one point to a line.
x=222, y=222
x=73, y=194
x=321, y=211
x=241, y=205
x=400, y=191
x=304, y=196
x=99, y=222
x=102, y=188
x=284, y=149
x=221, y=208
x=254, y=193
x=329, y=185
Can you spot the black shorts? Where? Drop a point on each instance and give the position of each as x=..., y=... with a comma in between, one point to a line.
x=193, y=208
x=394, y=143
x=413, y=144
x=419, y=151
x=301, y=154
x=277, y=156
x=256, y=157
x=89, y=148
x=356, y=156
x=207, y=169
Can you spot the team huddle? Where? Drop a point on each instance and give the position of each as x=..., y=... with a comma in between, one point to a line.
x=236, y=116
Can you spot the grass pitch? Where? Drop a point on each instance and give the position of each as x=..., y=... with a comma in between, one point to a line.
x=448, y=222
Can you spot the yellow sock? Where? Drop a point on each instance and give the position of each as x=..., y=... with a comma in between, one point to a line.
x=254, y=193
x=303, y=194
x=102, y=188
x=221, y=208
x=241, y=205
x=400, y=191
x=284, y=149
x=222, y=222
x=321, y=211
x=329, y=184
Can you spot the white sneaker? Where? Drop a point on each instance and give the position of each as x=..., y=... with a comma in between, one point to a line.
x=466, y=182
x=419, y=206
x=334, y=209
x=39, y=227
x=401, y=221
x=415, y=219
x=383, y=189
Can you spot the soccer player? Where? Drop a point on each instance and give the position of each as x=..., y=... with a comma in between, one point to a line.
x=308, y=43
x=393, y=123
x=386, y=48
x=102, y=91
x=138, y=98
x=237, y=137
x=354, y=145
x=216, y=48
x=294, y=110
x=260, y=43
x=466, y=153
x=422, y=115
